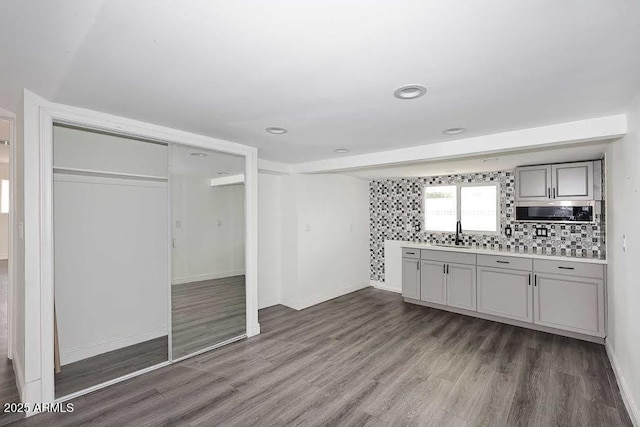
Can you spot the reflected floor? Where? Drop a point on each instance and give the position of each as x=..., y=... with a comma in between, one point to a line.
x=206, y=313
x=104, y=367
x=8, y=390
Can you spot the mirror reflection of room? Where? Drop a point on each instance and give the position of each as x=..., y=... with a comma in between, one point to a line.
x=208, y=251
x=110, y=209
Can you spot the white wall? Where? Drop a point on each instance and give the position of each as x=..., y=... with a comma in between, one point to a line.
x=4, y=218
x=269, y=239
x=208, y=225
x=623, y=185
x=325, y=237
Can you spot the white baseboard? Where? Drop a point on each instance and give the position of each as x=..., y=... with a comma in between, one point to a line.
x=80, y=353
x=268, y=303
x=381, y=285
x=17, y=371
x=301, y=304
x=202, y=277
x=627, y=397
x=255, y=330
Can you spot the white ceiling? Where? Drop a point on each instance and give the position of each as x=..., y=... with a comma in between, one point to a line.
x=494, y=162
x=326, y=70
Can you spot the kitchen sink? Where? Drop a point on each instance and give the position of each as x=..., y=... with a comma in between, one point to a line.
x=453, y=246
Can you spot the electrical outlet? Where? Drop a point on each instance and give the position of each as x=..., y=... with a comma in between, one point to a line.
x=541, y=232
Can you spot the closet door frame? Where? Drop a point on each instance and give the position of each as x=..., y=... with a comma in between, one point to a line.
x=40, y=116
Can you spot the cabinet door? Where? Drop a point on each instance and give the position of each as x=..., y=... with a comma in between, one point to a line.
x=572, y=181
x=461, y=286
x=505, y=293
x=432, y=282
x=567, y=302
x=533, y=183
x=411, y=278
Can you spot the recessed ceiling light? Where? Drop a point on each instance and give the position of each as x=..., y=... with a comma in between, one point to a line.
x=410, y=92
x=491, y=159
x=341, y=150
x=223, y=173
x=276, y=130
x=199, y=154
x=453, y=131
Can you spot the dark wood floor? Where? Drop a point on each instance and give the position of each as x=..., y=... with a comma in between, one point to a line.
x=367, y=358
x=206, y=313
x=111, y=365
x=8, y=390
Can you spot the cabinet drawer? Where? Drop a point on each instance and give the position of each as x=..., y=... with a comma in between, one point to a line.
x=582, y=269
x=410, y=253
x=514, y=263
x=447, y=256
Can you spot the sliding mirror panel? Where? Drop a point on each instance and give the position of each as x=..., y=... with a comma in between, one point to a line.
x=111, y=255
x=208, y=301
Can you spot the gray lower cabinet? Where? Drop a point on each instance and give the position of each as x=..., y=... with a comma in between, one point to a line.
x=433, y=285
x=411, y=278
x=569, y=302
x=461, y=286
x=555, y=293
x=505, y=293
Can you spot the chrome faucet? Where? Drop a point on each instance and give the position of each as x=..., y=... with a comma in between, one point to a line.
x=458, y=233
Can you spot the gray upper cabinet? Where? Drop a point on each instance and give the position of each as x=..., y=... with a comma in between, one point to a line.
x=563, y=181
x=411, y=278
x=533, y=183
x=572, y=181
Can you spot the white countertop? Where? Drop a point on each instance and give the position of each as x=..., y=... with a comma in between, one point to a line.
x=504, y=252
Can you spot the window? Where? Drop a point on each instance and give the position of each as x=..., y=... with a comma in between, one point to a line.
x=4, y=196
x=441, y=208
x=476, y=206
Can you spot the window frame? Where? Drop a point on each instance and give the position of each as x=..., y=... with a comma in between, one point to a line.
x=459, y=186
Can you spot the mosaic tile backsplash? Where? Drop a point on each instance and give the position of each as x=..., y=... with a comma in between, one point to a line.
x=396, y=213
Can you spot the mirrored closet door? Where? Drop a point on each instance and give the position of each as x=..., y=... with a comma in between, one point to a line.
x=208, y=302
x=111, y=255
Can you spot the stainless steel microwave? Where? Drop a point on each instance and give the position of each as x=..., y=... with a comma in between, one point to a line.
x=558, y=211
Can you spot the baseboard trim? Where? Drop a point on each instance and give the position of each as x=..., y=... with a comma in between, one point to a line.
x=265, y=304
x=576, y=335
x=301, y=304
x=17, y=372
x=381, y=285
x=627, y=397
x=203, y=277
x=100, y=347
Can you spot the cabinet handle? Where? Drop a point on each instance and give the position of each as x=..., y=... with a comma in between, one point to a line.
x=566, y=268
x=417, y=265
x=411, y=253
x=529, y=279
x=548, y=193
x=554, y=193
x=444, y=268
x=503, y=262
x=535, y=280
x=447, y=268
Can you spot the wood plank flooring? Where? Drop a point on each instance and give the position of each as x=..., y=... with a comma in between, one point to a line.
x=367, y=358
x=108, y=366
x=207, y=313
x=8, y=390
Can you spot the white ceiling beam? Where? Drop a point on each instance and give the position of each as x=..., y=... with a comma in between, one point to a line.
x=597, y=129
x=274, y=167
x=227, y=180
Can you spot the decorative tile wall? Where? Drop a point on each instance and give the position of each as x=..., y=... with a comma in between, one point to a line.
x=396, y=213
